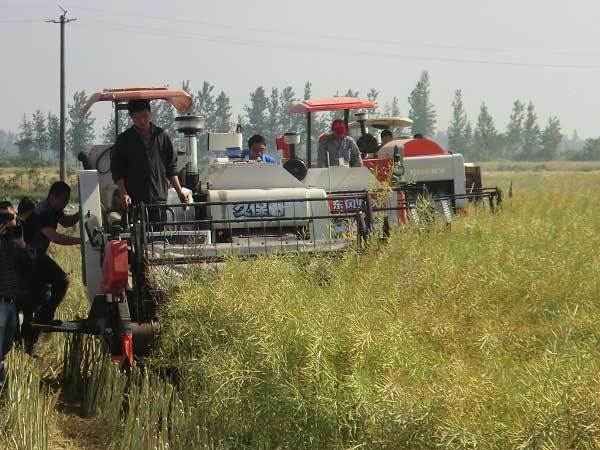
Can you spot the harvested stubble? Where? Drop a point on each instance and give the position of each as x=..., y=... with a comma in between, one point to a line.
x=28, y=406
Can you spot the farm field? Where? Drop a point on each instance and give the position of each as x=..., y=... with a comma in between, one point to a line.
x=482, y=336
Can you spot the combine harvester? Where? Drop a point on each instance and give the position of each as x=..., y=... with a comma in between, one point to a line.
x=242, y=208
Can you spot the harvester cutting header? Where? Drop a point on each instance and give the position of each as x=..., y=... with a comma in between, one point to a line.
x=228, y=204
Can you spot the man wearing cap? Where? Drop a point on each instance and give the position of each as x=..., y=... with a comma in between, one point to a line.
x=144, y=162
x=337, y=146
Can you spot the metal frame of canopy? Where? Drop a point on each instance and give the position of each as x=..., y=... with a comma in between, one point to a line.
x=309, y=107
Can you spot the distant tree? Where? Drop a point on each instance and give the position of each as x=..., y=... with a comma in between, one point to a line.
x=307, y=90
x=25, y=139
x=421, y=110
x=551, y=139
x=392, y=109
x=485, y=137
x=468, y=138
x=350, y=93
x=531, y=135
x=287, y=121
x=53, y=135
x=204, y=104
x=40, y=132
x=80, y=131
x=514, y=131
x=163, y=115
x=222, y=113
x=589, y=152
x=372, y=96
x=256, y=111
x=273, y=115
x=457, y=139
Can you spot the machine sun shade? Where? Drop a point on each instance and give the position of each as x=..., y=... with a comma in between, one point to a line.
x=181, y=100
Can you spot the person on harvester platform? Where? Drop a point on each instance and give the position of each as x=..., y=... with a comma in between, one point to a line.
x=386, y=136
x=143, y=162
x=256, y=150
x=338, y=145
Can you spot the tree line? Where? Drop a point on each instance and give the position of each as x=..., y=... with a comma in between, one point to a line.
x=266, y=113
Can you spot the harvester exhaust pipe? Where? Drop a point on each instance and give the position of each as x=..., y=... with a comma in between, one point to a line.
x=292, y=139
x=361, y=118
x=190, y=126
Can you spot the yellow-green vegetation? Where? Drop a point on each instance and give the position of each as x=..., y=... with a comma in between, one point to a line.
x=542, y=166
x=485, y=336
x=16, y=182
x=482, y=336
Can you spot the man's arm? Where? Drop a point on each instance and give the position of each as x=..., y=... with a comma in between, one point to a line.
x=170, y=156
x=118, y=168
x=183, y=196
x=355, y=158
x=58, y=238
x=69, y=221
x=321, y=154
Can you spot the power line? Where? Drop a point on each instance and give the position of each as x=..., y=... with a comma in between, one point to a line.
x=387, y=42
x=157, y=32
x=21, y=20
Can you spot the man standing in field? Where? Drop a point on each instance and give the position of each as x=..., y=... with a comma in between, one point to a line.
x=337, y=146
x=12, y=249
x=41, y=230
x=144, y=162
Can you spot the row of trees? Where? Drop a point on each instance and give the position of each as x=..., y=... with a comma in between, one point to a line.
x=38, y=138
x=522, y=139
x=267, y=113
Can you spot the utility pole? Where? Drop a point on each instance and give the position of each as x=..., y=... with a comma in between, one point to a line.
x=63, y=120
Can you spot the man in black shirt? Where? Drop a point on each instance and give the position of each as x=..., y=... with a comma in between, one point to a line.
x=40, y=231
x=11, y=250
x=143, y=161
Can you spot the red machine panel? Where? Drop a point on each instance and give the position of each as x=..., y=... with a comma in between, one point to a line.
x=115, y=269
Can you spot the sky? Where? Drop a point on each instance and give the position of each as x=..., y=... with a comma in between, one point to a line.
x=539, y=51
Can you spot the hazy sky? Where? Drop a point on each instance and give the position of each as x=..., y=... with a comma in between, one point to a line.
x=495, y=51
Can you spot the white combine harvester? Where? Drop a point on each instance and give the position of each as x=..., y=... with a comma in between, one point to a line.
x=242, y=208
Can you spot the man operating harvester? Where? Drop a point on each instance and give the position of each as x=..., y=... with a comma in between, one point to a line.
x=144, y=162
x=339, y=148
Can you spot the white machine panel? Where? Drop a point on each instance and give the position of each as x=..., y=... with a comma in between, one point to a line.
x=339, y=179
x=438, y=168
x=248, y=175
x=255, y=204
x=89, y=205
x=219, y=142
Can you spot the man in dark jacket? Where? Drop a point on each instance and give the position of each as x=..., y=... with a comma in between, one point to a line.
x=11, y=249
x=144, y=162
x=40, y=231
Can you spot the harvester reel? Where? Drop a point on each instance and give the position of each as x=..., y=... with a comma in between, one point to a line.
x=296, y=167
x=367, y=144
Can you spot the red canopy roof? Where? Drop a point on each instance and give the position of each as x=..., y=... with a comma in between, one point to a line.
x=331, y=104
x=181, y=100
